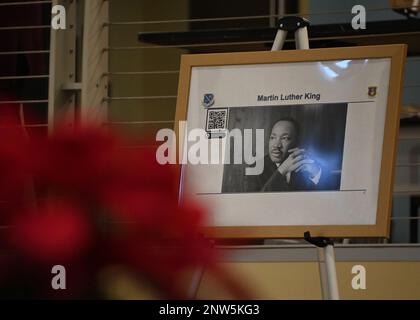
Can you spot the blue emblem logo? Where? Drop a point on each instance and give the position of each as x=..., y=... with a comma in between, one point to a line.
x=208, y=100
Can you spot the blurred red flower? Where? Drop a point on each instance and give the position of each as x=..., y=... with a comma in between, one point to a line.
x=15, y=169
x=75, y=163
x=104, y=205
x=55, y=233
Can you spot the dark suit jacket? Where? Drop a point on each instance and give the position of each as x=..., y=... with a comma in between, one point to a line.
x=271, y=180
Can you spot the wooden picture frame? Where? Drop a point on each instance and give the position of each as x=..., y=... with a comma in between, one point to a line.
x=392, y=56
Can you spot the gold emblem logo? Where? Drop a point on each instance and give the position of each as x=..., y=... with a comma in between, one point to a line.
x=372, y=91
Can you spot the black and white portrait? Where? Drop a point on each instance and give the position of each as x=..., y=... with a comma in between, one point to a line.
x=303, y=148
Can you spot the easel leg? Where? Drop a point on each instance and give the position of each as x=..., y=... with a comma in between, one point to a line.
x=328, y=273
x=195, y=282
x=301, y=38
x=279, y=40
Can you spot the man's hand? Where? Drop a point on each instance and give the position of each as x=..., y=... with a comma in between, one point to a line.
x=297, y=161
x=311, y=168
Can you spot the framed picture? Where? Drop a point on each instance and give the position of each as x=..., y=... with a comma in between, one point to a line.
x=274, y=144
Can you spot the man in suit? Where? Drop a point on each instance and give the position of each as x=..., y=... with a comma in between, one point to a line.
x=288, y=167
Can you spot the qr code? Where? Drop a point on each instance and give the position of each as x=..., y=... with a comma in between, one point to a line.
x=216, y=119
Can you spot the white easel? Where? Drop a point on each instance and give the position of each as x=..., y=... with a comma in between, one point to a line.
x=325, y=246
x=326, y=256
